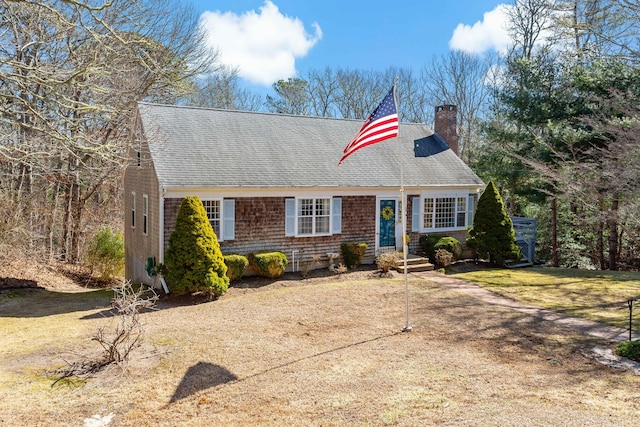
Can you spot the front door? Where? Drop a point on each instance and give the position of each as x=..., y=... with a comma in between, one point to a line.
x=387, y=224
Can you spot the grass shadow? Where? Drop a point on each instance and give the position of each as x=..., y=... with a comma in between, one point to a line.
x=201, y=376
x=39, y=302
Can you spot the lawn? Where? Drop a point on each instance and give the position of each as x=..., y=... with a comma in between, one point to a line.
x=596, y=295
x=325, y=351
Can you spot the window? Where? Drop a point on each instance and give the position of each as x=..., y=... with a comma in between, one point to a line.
x=445, y=212
x=133, y=210
x=221, y=215
x=313, y=216
x=212, y=207
x=145, y=214
x=428, y=213
x=461, y=212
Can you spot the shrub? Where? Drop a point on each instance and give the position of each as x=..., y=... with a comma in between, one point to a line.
x=236, y=266
x=387, y=260
x=105, y=253
x=629, y=349
x=308, y=263
x=444, y=258
x=118, y=340
x=193, y=259
x=352, y=253
x=492, y=234
x=270, y=264
x=451, y=245
x=341, y=268
x=430, y=243
x=427, y=243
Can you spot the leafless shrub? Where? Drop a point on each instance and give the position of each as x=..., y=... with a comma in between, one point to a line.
x=386, y=261
x=307, y=264
x=120, y=338
x=128, y=303
x=444, y=258
x=341, y=268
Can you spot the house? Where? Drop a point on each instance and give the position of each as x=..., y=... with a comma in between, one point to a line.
x=272, y=182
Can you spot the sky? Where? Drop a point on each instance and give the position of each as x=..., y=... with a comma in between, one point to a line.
x=268, y=40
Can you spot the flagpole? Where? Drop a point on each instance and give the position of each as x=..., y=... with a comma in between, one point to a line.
x=405, y=248
x=381, y=125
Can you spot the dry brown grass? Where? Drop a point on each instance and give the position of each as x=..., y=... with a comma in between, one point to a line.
x=324, y=351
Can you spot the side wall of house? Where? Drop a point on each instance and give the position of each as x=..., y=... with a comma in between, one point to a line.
x=260, y=225
x=141, y=241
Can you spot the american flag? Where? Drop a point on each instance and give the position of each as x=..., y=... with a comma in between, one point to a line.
x=380, y=125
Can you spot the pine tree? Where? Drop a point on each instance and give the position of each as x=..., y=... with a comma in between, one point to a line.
x=193, y=259
x=492, y=234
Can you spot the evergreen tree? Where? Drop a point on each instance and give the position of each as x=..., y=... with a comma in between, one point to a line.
x=193, y=259
x=492, y=233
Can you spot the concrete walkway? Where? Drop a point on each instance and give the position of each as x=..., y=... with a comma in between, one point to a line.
x=587, y=326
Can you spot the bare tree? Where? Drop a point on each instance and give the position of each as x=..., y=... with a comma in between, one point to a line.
x=323, y=90
x=71, y=75
x=599, y=28
x=459, y=78
x=530, y=26
x=222, y=89
x=353, y=94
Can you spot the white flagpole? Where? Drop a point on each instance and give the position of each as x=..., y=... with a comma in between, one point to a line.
x=405, y=247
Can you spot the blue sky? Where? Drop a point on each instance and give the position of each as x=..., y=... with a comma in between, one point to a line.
x=276, y=39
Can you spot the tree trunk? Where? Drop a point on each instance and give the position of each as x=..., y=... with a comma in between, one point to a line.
x=600, y=241
x=554, y=232
x=66, y=221
x=75, y=216
x=613, y=233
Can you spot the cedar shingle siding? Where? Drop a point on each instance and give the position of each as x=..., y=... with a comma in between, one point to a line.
x=138, y=245
x=260, y=225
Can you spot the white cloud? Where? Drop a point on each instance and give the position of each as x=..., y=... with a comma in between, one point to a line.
x=263, y=45
x=490, y=33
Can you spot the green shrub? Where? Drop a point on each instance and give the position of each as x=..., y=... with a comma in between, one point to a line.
x=444, y=258
x=387, y=260
x=492, y=234
x=270, y=264
x=193, y=259
x=430, y=243
x=105, y=253
x=427, y=243
x=629, y=349
x=451, y=245
x=352, y=253
x=236, y=266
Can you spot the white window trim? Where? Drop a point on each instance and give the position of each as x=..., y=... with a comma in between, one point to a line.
x=132, y=218
x=335, y=207
x=441, y=195
x=227, y=223
x=145, y=214
x=220, y=219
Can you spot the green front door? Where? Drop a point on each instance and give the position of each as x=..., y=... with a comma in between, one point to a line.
x=387, y=232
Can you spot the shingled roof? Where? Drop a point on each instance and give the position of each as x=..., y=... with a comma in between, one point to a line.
x=197, y=147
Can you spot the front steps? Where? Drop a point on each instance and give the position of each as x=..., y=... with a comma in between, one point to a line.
x=414, y=264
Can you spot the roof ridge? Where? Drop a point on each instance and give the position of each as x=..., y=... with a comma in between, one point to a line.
x=263, y=113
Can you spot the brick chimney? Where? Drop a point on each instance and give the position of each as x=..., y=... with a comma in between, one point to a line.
x=445, y=125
